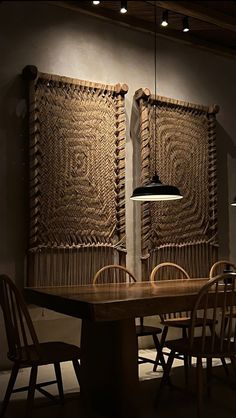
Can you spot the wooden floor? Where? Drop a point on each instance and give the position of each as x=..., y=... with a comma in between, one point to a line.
x=175, y=403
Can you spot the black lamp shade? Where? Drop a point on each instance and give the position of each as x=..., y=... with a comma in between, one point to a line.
x=156, y=191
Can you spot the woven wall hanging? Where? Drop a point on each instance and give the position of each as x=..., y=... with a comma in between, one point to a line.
x=182, y=231
x=77, y=178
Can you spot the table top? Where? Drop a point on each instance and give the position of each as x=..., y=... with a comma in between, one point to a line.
x=110, y=302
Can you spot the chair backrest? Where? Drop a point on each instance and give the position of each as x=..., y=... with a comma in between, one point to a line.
x=19, y=327
x=168, y=271
x=217, y=301
x=219, y=267
x=113, y=273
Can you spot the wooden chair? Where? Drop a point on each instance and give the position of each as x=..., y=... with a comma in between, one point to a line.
x=180, y=320
x=219, y=267
x=223, y=266
x=24, y=349
x=115, y=273
x=217, y=294
x=176, y=319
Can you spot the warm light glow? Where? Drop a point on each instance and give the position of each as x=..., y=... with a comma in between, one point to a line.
x=96, y=3
x=123, y=7
x=164, y=21
x=185, y=24
x=153, y=198
x=233, y=204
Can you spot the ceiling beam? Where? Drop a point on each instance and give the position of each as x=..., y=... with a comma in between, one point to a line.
x=200, y=12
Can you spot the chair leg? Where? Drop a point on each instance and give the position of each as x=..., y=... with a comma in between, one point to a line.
x=233, y=364
x=9, y=389
x=224, y=364
x=159, y=352
x=77, y=370
x=57, y=368
x=165, y=377
x=162, y=343
x=31, y=391
x=187, y=359
x=226, y=320
x=186, y=364
x=209, y=375
x=199, y=387
x=225, y=325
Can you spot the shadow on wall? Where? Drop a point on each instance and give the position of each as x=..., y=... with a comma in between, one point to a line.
x=136, y=163
x=224, y=146
x=135, y=137
x=14, y=128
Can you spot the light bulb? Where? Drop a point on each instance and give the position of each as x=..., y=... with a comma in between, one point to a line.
x=185, y=24
x=123, y=7
x=164, y=21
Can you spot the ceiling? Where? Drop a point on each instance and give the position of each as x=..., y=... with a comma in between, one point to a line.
x=212, y=23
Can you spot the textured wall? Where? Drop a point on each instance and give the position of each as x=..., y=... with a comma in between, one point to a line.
x=63, y=42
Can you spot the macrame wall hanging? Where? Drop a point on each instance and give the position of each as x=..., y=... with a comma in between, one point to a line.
x=182, y=231
x=77, y=178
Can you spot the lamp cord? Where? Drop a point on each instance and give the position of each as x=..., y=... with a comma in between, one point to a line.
x=155, y=82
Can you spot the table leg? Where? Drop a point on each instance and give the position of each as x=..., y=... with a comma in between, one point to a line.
x=109, y=367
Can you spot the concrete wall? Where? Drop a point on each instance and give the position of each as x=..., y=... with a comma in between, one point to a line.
x=64, y=42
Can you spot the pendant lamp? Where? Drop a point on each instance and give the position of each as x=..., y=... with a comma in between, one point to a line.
x=155, y=191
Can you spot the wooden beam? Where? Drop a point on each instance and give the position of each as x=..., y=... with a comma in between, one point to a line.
x=200, y=12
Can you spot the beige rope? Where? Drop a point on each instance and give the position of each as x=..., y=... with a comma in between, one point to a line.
x=185, y=157
x=77, y=177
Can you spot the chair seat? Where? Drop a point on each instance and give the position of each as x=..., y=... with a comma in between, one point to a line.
x=182, y=346
x=184, y=322
x=228, y=313
x=147, y=330
x=50, y=352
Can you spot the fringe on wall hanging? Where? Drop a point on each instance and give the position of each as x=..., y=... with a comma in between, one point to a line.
x=77, y=178
x=182, y=231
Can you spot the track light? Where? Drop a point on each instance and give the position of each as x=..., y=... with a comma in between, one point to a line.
x=96, y=3
x=185, y=24
x=123, y=7
x=234, y=202
x=164, y=21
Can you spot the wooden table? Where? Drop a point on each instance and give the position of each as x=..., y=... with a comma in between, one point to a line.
x=109, y=351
